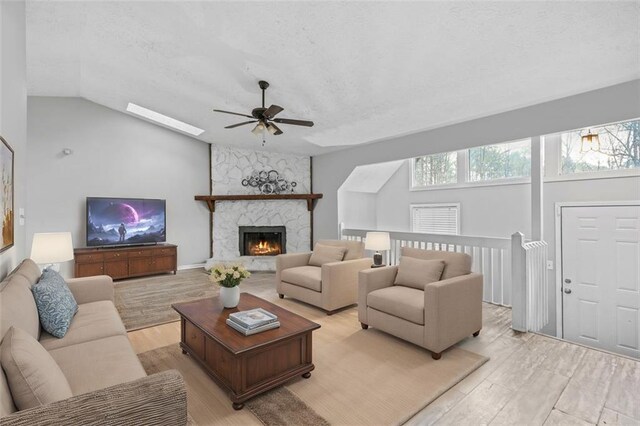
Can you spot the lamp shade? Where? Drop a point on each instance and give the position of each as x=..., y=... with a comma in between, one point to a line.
x=377, y=241
x=52, y=247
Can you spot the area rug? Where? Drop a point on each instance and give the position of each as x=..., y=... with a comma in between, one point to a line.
x=361, y=377
x=146, y=302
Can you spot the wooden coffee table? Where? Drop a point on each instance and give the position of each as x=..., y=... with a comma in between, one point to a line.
x=246, y=365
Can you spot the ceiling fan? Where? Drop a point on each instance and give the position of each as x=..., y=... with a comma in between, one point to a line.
x=265, y=117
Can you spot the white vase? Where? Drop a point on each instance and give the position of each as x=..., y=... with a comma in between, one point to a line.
x=230, y=296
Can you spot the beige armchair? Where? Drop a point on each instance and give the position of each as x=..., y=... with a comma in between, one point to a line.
x=331, y=286
x=435, y=317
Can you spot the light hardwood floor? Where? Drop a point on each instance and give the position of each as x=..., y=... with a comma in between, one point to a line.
x=530, y=378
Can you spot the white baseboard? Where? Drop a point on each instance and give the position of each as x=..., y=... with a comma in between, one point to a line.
x=194, y=266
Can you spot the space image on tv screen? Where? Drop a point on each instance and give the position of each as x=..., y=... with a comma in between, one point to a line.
x=113, y=221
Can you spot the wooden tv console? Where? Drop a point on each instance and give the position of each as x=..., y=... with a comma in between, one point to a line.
x=126, y=262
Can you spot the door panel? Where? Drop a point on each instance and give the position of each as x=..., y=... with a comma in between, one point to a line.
x=601, y=274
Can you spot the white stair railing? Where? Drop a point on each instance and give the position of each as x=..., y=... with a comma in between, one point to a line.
x=491, y=256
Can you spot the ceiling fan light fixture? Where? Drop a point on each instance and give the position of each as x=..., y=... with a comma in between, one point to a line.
x=259, y=129
x=264, y=117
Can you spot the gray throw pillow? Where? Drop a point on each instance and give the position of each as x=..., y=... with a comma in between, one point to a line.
x=56, y=305
x=326, y=254
x=417, y=273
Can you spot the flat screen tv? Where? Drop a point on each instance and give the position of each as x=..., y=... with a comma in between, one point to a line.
x=125, y=221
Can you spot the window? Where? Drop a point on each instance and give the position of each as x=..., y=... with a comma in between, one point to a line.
x=437, y=169
x=501, y=161
x=619, y=148
x=435, y=218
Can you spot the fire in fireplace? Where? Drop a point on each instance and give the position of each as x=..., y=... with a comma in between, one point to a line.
x=262, y=240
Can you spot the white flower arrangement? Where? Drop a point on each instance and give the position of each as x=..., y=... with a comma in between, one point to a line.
x=228, y=275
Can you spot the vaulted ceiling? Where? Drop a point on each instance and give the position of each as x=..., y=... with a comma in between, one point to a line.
x=361, y=71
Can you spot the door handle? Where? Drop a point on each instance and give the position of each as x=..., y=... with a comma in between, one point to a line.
x=567, y=281
x=567, y=290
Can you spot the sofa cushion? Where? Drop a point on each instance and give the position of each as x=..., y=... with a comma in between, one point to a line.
x=6, y=402
x=355, y=249
x=17, y=306
x=98, y=364
x=30, y=270
x=56, y=305
x=400, y=301
x=326, y=254
x=33, y=376
x=93, y=321
x=304, y=276
x=417, y=273
x=456, y=264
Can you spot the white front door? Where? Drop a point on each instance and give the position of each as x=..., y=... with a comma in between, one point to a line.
x=601, y=277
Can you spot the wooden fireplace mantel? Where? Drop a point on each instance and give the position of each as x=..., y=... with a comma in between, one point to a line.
x=211, y=199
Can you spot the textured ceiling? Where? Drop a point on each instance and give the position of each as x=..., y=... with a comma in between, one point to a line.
x=361, y=71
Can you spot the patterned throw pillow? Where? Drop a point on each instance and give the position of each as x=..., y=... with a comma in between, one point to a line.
x=56, y=305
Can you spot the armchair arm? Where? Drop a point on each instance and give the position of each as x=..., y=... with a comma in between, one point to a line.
x=340, y=282
x=453, y=310
x=370, y=280
x=159, y=399
x=91, y=289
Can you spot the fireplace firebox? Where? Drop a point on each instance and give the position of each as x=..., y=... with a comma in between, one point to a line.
x=262, y=240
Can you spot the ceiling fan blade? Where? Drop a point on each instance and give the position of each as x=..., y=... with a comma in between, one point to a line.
x=234, y=113
x=272, y=111
x=276, y=129
x=241, y=124
x=294, y=122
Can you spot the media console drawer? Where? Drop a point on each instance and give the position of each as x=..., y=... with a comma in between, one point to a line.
x=89, y=258
x=125, y=262
x=116, y=255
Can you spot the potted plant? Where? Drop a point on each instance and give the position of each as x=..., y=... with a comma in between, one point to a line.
x=229, y=278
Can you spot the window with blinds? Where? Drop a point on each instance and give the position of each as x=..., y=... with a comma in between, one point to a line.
x=435, y=218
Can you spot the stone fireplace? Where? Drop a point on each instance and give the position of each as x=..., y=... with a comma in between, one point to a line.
x=262, y=240
x=229, y=166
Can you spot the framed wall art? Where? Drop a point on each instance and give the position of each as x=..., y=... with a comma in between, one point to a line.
x=6, y=195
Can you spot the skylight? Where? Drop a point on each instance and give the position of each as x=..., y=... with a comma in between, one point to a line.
x=164, y=120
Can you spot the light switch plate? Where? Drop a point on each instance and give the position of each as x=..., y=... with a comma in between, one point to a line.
x=550, y=264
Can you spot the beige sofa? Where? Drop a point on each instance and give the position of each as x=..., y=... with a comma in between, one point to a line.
x=108, y=383
x=435, y=318
x=330, y=287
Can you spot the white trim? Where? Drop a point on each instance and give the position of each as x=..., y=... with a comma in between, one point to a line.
x=476, y=184
x=602, y=174
x=558, y=259
x=558, y=255
x=192, y=266
x=611, y=174
x=435, y=205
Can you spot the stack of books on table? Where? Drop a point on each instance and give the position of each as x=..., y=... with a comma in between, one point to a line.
x=253, y=321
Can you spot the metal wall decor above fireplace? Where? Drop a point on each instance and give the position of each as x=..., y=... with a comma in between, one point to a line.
x=262, y=240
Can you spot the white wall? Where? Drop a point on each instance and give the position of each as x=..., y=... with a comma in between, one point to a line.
x=13, y=115
x=610, y=104
x=357, y=210
x=114, y=155
x=494, y=211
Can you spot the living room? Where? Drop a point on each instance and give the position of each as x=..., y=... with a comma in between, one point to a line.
x=494, y=138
